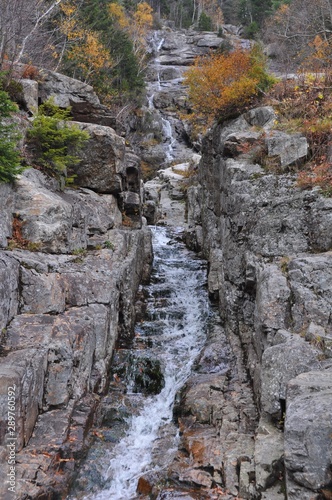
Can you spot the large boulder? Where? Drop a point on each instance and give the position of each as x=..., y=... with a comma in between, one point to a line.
x=45, y=218
x=308, y=430
x=66, y=91
x=102, y=165
x=287, y=149
x=6, y=209
x=281, y=363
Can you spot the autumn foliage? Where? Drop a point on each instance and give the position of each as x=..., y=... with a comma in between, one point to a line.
x=221, y=85
x=304, y=105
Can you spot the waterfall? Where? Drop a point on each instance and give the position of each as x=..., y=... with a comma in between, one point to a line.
x=174, y=333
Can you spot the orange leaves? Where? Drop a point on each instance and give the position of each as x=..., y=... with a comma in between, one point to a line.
x=220, y=84
x=83, y=46
x=90, y=55
x=118, y=14
x=317, y=175
x=143, y=16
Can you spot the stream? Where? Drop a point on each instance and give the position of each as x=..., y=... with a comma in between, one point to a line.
x=169, y=340
x=137, y=433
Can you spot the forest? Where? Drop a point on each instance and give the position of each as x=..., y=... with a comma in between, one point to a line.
x=105, y=43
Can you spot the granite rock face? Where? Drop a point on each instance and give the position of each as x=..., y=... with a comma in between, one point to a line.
x=66, y=91
x=71, y=261
x=269, y=250
x=102, y=166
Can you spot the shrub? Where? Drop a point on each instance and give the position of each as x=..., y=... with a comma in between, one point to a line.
x=55, y=144
x=304, y=105
x=9, y=155
x=204, y=22
x=223, y=84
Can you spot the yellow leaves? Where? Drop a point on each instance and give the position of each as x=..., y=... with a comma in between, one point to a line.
x=140, y=21
x=83, y=46
x=118, y=14
x=67, y=8
x=143, y=16
x=90, y=55
x=222, y=83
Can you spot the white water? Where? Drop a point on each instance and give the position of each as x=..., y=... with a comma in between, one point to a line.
x=169, y=139
x=178, y=331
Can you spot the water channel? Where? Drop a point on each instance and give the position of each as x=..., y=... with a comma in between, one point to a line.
x=169, y=340
x=138, y=433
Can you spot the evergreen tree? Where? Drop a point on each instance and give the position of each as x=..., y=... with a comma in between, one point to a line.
x=9, y=155
x=55, y=144
x=204, y=22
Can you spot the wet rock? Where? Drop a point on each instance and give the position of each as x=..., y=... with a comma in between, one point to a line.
x=200, y=398
x=140, y=374
x=57, y=354
x=143, y=486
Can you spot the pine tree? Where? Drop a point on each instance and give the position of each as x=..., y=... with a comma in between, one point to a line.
x=9, y=156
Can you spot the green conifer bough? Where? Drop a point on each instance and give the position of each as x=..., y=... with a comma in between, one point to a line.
x=54, y=143
x=9, y=155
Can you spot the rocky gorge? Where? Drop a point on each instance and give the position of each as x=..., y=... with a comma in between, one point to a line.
x=254, y=417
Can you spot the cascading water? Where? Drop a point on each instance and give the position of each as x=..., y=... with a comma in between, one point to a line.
x=167, y=343
x=173, y=334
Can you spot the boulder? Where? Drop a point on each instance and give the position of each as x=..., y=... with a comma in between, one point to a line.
x=7, y=209
x=287, y=149
x=308, y=428
x=281, y=363
x=45, y=218
x=65, y=90
x=84, y=102
x=102, y=165
x=30, y=95
x=264, y=116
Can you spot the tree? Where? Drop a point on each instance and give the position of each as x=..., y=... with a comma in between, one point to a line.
x=24, y=34
x=9, y=155
x=97, y=47
x=137, y=25
x=54, y=143
x=223, y=84
x=294, y=26
x=204, y=22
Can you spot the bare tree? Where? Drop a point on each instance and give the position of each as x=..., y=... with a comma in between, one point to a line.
x=294, y=27
x=21, y=25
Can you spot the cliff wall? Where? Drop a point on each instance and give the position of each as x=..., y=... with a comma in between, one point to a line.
x=268, y=244
x=71, y=261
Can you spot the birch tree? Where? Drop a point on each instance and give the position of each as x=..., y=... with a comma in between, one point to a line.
x=21, y=24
